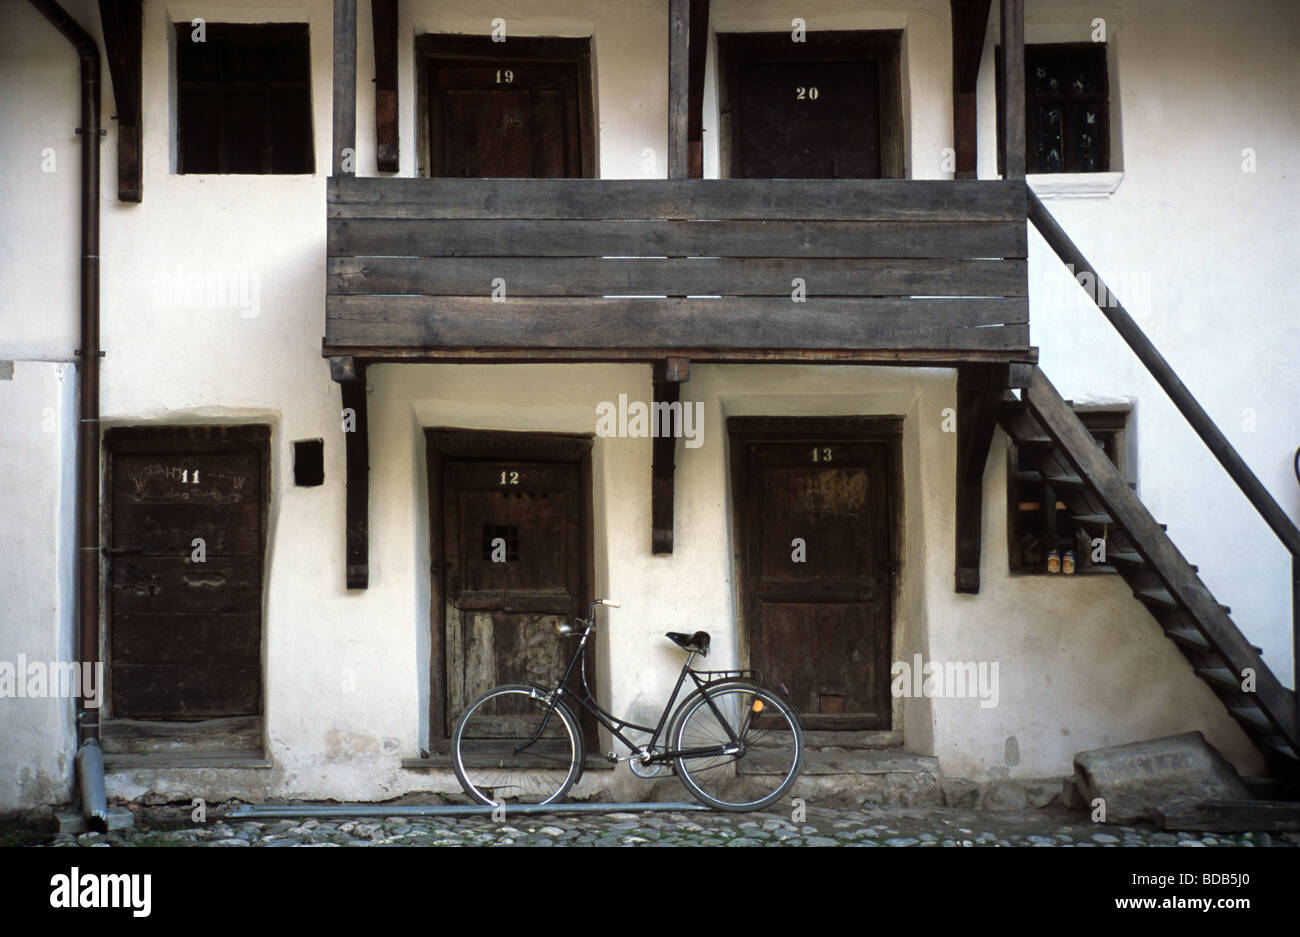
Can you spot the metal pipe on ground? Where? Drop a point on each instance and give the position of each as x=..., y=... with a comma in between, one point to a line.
x=264, y=811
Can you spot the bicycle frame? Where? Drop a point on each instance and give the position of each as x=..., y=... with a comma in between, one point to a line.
x=587, y=700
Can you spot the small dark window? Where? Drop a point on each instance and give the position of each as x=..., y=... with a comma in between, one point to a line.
x=309, y=462
x=1067, y=108
x=243, y=102
x=1040, y=522
x=496, y=536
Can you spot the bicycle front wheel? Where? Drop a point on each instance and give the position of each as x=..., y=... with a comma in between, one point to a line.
x=768, y=746
x=512, y=746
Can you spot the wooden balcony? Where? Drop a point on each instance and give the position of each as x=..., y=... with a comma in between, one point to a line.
x=711, y=270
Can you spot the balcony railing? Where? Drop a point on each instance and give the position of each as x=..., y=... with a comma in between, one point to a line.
x=729, y=269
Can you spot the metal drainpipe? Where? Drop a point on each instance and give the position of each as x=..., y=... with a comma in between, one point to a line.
x=90, y=758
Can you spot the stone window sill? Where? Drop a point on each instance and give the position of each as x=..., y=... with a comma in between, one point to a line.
x=1060, y=185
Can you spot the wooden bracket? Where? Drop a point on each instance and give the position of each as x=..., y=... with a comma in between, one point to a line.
x=123, y=38
x=350, y=374
x=980, y=389
x=383, y=14
x=669, y=375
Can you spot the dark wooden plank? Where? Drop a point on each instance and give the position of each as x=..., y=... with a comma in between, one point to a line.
x=196, y=691
x=980, y=389
x=885, y=357
x=699, y=47
x=659, y=237
x=1182, y=583
x=187, y=638
x=345, y=87
x=1013, y=88
x=969, y=24
x=679, y=40
x=123, y=23
x=729, y=276
x=688, y=199
x=170, y=529
x=357, y=467
x=667, y=389
x=670, y=323
x=384, y=19
x=173, y=584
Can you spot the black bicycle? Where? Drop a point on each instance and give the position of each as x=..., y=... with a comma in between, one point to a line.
x=735, y=743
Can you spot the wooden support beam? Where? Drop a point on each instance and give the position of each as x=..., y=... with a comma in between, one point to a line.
x=970, y=19
x=679, y=80
x=123, y=37
x=668, y=378
x=980, y=389
x=383, y=14
x=344, y=159
x=350, y=373
x=698, y=44
x=1013, y=88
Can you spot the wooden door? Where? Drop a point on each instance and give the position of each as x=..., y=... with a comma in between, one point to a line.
x=514, y=565
x=519, y=109
x=814, y=512
x=826, y=108
x=813, y=120
x=186, y=511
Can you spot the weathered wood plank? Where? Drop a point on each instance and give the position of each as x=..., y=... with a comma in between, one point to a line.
x=679, y=42
x=731, y=276
x=1013, y=88
x=343, y=159
x=900, y=357
x=687, y=199
x=657, y=237
x=759, y=323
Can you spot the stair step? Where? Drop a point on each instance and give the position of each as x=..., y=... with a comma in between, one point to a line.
x=1101, y=520
x=1034, y=442
x=1163, y=599
x=1056, y=481
x=1251, y=717
x=1125, y=558
x=1219, y=676
x=1188, y=637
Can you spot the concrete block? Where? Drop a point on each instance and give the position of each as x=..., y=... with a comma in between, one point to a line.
x=1137, y=779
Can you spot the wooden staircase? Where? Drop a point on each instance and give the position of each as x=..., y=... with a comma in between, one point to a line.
x=1062, y=451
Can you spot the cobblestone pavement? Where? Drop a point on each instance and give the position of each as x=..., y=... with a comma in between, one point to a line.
x=877, y=826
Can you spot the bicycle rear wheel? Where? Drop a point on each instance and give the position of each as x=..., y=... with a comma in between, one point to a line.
x=511, y=746
x=770, y=745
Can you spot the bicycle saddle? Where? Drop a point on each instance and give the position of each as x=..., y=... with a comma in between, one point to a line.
x=696, y=643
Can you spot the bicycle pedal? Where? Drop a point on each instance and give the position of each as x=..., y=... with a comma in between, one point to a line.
x=611, y=758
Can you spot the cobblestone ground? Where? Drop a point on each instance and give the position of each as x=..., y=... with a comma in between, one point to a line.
x=879, y=826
